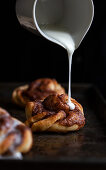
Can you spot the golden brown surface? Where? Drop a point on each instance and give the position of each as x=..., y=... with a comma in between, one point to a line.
x=14, y=135
x=37, y=90
x=54, y=114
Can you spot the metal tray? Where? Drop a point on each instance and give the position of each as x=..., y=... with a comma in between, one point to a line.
x=83, y=149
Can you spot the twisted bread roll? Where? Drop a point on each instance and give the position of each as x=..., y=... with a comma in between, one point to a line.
x=14, y=135
x=37, y=90
x=54, y=114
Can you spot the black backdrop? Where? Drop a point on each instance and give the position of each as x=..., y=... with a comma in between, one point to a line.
x=25, y=57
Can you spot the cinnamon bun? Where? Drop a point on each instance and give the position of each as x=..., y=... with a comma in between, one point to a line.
x=14, y=135
x=54, y=114
x=37, y=90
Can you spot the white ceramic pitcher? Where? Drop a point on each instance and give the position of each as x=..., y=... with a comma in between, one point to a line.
x=75, y=15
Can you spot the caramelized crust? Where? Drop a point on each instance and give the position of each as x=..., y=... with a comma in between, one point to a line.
x=37, y=90
x=14, y=135
x=54, y=114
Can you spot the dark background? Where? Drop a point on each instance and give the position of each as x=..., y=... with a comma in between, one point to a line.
x=25, y=57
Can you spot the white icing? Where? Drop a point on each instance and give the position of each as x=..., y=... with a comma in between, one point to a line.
x=3, y=136
x=66, y=40
x=14, y=155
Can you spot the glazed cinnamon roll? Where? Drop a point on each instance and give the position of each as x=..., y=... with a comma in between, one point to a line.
x=37, y=90
x=14, y=135
x=54, y=114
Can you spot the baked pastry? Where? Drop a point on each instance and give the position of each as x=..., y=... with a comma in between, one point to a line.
x=54, y=114
x=14, y=135
x=37, y=90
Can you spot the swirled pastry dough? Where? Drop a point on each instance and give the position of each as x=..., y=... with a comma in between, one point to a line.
x=37, y=90
x=14, y=135
x=54, y=114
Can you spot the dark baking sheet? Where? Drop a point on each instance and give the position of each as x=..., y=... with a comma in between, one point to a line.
x=86, y=147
